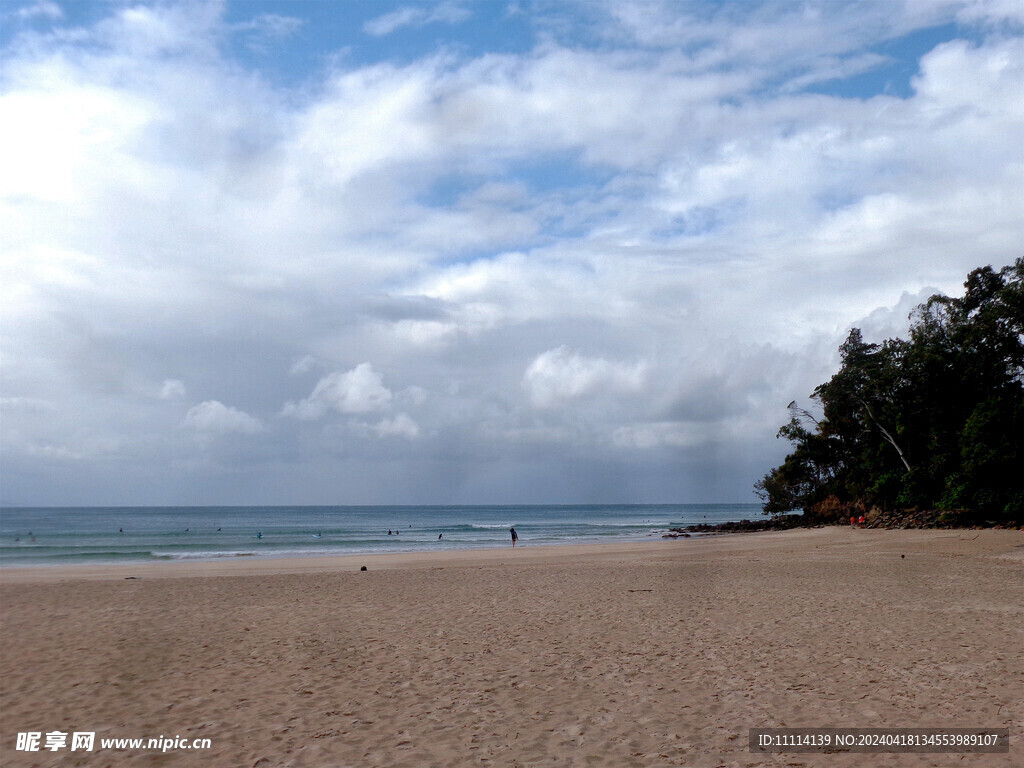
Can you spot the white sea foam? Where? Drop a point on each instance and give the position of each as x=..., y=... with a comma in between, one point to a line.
x=201, y=555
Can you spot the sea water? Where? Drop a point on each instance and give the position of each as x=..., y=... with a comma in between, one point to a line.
x=80, y=535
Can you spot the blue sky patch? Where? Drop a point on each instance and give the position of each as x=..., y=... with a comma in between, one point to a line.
x=893, y=78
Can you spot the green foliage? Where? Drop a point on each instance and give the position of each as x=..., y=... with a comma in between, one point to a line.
x=933, y=422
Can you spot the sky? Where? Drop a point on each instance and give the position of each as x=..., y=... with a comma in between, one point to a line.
x=473, y=252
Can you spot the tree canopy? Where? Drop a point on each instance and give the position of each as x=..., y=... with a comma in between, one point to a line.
x=932, y=422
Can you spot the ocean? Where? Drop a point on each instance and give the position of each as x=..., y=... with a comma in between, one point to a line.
x=82, y=535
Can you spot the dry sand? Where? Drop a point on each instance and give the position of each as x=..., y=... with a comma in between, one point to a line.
x=662, y=653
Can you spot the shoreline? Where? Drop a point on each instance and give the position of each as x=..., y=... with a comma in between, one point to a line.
x=270, y=564
x=708, y=542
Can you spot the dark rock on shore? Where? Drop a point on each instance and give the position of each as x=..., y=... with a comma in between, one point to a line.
x=776, y=523
x=873, y=518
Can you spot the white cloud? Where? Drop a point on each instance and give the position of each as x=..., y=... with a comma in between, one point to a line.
x=560, y=375
x=412, y=395
x=993, y=12
x=359, y=390
x=410, y=16
x=303, y=365
x=212, y=417
x=401, y=425
x=271, y=25
x=264, y=33
x=40, y=9
x=172, y=389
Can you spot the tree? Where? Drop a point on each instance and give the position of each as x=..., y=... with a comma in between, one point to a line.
x=936, y=421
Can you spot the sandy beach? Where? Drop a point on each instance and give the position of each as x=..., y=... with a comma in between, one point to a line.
x=648, y=654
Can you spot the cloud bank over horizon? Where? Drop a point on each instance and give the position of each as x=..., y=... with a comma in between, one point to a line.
x=524, y=252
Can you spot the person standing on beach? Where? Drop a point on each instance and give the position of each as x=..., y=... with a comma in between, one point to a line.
x=515, y=537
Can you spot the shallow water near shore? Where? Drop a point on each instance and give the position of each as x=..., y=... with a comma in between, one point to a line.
x=82, y=535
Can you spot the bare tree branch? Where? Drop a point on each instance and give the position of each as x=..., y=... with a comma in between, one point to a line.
x=803, y=412
x=885, y=433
